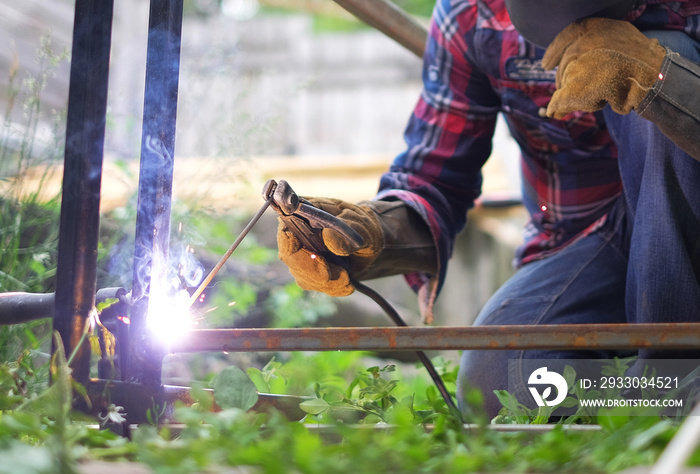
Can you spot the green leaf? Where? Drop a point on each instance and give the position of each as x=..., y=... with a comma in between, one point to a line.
x=315, y=406
x=257, y=377
x=569, y=376
x=507, y=400
x=234, y=389
x=645, y=438
x=23, y=459
x=101, y=306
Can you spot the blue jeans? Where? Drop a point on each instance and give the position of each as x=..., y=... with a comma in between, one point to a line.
x=642, y=266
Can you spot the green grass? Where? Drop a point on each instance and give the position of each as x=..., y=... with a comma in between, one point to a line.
x=381, y=429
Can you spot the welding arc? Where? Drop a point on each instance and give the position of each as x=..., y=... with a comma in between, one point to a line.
x=396, y=318
x=228, y=253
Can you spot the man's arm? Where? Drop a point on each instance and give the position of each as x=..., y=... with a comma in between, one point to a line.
x=429, y=187
x=602, y=61
x=448, y=136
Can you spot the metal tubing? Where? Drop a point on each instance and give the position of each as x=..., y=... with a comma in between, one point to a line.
x=390, y=20
x=155, y=186
x=79, y=222
x=137, y=399
x=21, y=307
x=565, y=336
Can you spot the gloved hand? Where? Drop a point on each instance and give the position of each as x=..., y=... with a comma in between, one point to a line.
x=396, y=241
x=313, y=272
x=601, y=61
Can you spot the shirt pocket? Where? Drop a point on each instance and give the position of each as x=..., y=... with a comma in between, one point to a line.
x=524, y=105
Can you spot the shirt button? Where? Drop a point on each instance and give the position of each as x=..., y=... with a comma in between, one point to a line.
x=542, y=112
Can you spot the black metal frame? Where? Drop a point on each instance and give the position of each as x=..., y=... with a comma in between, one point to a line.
x=142, y=363
x=140, y=358
x=82, y=175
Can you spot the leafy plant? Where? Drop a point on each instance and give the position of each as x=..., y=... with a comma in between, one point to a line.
x=234, y=389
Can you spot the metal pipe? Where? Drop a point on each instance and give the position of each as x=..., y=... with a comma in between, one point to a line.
x=20, y=307
x=138, y=399
x=390, y=20
x=79, y=222
x=144, y=358
x=565, y=336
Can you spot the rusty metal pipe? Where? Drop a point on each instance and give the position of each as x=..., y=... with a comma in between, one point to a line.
x=390, y=20
x=565, y=336
x=136, y=399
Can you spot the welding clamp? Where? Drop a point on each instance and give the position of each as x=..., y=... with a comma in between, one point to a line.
x=307, y=221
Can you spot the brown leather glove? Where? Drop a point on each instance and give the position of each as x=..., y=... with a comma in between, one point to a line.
x=601, y=61
x=396, y=241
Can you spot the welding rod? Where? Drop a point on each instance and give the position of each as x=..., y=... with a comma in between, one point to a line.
x=228, y=253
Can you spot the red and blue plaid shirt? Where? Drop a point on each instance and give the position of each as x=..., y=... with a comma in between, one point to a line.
x=475, y=67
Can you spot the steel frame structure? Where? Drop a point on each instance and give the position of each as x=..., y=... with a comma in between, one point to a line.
x=140, y=357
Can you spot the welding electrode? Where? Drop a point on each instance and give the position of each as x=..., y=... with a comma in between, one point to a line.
x=228, y=253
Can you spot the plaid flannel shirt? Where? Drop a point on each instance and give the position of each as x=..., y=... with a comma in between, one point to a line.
x=476, y=66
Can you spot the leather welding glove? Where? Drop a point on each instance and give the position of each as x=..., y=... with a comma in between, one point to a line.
x=601, y=61
x=396, y=241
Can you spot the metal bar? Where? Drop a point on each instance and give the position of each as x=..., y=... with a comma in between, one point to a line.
x=202, y=286
x=390, y=20
x=21, y=307
x=143, y=362
x=565, y=336
x=79, y=222
x=137, y=399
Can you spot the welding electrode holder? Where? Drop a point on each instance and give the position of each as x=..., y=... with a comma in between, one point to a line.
x=307, y=222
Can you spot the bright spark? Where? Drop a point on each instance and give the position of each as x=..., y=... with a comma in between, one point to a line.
x=169, y=317
x=544, y=208
x=313, y=256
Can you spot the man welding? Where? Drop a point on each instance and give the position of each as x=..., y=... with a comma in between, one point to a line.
x=602, y=98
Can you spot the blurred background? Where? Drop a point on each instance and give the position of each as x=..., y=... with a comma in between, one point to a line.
x=285, y=89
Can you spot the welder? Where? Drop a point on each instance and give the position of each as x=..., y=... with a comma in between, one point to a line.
x=602, y=96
